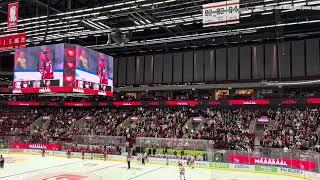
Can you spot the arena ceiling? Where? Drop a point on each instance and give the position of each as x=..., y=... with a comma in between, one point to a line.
x=160, y=25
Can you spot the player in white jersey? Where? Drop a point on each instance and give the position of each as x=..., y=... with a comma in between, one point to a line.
x=182, y=171
x=192, y=158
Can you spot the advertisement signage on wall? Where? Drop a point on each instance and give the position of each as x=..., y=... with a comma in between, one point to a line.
x=219, y=165
x=265, y=169
x=294, y=163
x=20, y=103
x=313, y=101
x=290, y=171
x=128, y=103
x=289, y=102
x=52, y=147
x=77, y=104
x=117, y=103
x=249, y=102
x=241, y=166
x=182, y=103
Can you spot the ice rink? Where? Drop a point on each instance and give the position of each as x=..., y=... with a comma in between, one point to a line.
x=34, y=167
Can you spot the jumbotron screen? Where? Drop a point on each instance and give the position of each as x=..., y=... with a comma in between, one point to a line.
x=37, y=67
x=93, y=70
x=62, y=68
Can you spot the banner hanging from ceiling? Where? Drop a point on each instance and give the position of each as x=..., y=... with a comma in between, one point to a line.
x=221, y=13
x=13, y=11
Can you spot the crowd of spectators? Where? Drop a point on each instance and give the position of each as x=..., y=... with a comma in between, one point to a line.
x=60, y=122
x=159, y=122
x=227, y=128
x=16, y=122
x=103, y=122
x=292, y=129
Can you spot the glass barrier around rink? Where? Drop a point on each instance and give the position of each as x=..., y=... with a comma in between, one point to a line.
x=171, y=143
x=4, y=142
x=7, y=141
x=100, y=140
x=296, y=159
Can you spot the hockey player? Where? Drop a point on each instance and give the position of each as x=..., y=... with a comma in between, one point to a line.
x=82, y=153
x=1, y=161
x=68, y=153
x=167, y=159
x=188, y=159
x=129, y=160
x=102, y=70
x=192, y=159
x=46, y=67
x=43, y=152
x=105, y=154
x=182, y=171
x=91, y=152
x=143, y=158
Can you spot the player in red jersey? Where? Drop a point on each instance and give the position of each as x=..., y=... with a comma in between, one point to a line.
x=45, y=67
x=102, y=70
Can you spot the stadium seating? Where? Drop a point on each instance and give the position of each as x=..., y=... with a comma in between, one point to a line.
x=229, y=128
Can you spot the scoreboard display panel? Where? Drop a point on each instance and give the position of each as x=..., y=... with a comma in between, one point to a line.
x=93, y=70
x=62, y=68
x=37, y=67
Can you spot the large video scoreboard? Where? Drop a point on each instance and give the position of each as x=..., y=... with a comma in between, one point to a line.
x=62, y=68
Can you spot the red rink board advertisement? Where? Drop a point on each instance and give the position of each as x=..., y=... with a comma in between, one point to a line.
x=52, y=147
x=293, y=163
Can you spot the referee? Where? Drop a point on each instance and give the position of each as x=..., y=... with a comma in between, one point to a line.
x=1, y=161
x=128, y=160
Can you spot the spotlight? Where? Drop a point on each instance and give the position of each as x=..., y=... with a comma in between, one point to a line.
x=71, y=64
x=70, y=53
x=69, y=79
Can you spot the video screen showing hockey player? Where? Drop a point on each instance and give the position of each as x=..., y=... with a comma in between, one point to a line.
x=94, y=70
x=39, y=63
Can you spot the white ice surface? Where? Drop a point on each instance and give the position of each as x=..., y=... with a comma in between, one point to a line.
x=33, y=167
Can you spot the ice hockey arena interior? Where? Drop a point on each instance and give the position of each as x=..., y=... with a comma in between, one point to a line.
x=159, y=89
